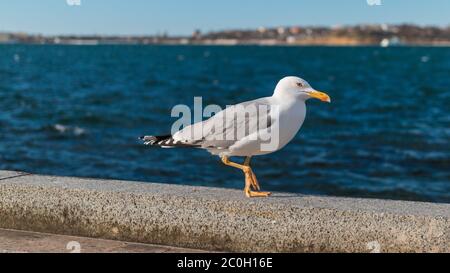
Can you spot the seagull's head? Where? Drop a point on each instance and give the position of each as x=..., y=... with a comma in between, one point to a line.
x=298, y=88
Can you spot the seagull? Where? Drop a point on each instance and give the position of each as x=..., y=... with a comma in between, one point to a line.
x=255, y=133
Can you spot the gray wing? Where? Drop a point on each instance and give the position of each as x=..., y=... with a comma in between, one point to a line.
x=228, y=126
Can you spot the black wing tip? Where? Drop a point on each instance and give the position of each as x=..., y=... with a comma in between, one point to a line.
x=154, y=140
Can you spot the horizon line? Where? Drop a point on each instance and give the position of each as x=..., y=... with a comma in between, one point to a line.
x=165, y=32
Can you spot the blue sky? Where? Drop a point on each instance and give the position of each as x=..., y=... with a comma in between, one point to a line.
x=183, y=16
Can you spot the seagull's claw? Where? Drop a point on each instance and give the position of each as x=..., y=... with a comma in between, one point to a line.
x=251, y=194
x=252, y=182
x=250, y=178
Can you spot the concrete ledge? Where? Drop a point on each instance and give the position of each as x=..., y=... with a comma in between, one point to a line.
x=219, y=219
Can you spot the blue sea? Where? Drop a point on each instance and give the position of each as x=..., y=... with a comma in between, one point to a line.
x=79, y=110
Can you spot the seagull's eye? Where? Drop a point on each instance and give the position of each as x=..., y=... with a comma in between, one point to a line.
x=301, y=85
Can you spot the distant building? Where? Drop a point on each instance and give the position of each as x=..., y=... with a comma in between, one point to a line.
x=295, y=30
x=197, y=34
x=262, y=30
x=291, y=40
x=281, y=30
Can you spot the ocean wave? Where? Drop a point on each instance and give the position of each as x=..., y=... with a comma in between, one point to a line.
x=69, y=130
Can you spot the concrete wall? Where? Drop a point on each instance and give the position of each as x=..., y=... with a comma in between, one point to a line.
x=219, y=219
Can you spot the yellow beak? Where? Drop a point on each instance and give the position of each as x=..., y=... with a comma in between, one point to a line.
x=320, y=96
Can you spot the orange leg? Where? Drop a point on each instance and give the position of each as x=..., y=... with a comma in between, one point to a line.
x=255, y=183
x=250, y=178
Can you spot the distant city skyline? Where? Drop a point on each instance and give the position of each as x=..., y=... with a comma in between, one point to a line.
x=177, y=17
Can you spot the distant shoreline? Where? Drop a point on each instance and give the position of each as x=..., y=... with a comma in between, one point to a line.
x=343, y=36
x=236, y=45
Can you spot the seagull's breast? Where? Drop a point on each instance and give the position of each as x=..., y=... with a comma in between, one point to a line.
x=291, y=119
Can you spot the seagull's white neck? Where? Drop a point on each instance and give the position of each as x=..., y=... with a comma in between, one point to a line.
x=292, y=113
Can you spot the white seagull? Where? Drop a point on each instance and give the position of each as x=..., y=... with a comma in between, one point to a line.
x=256, y=133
